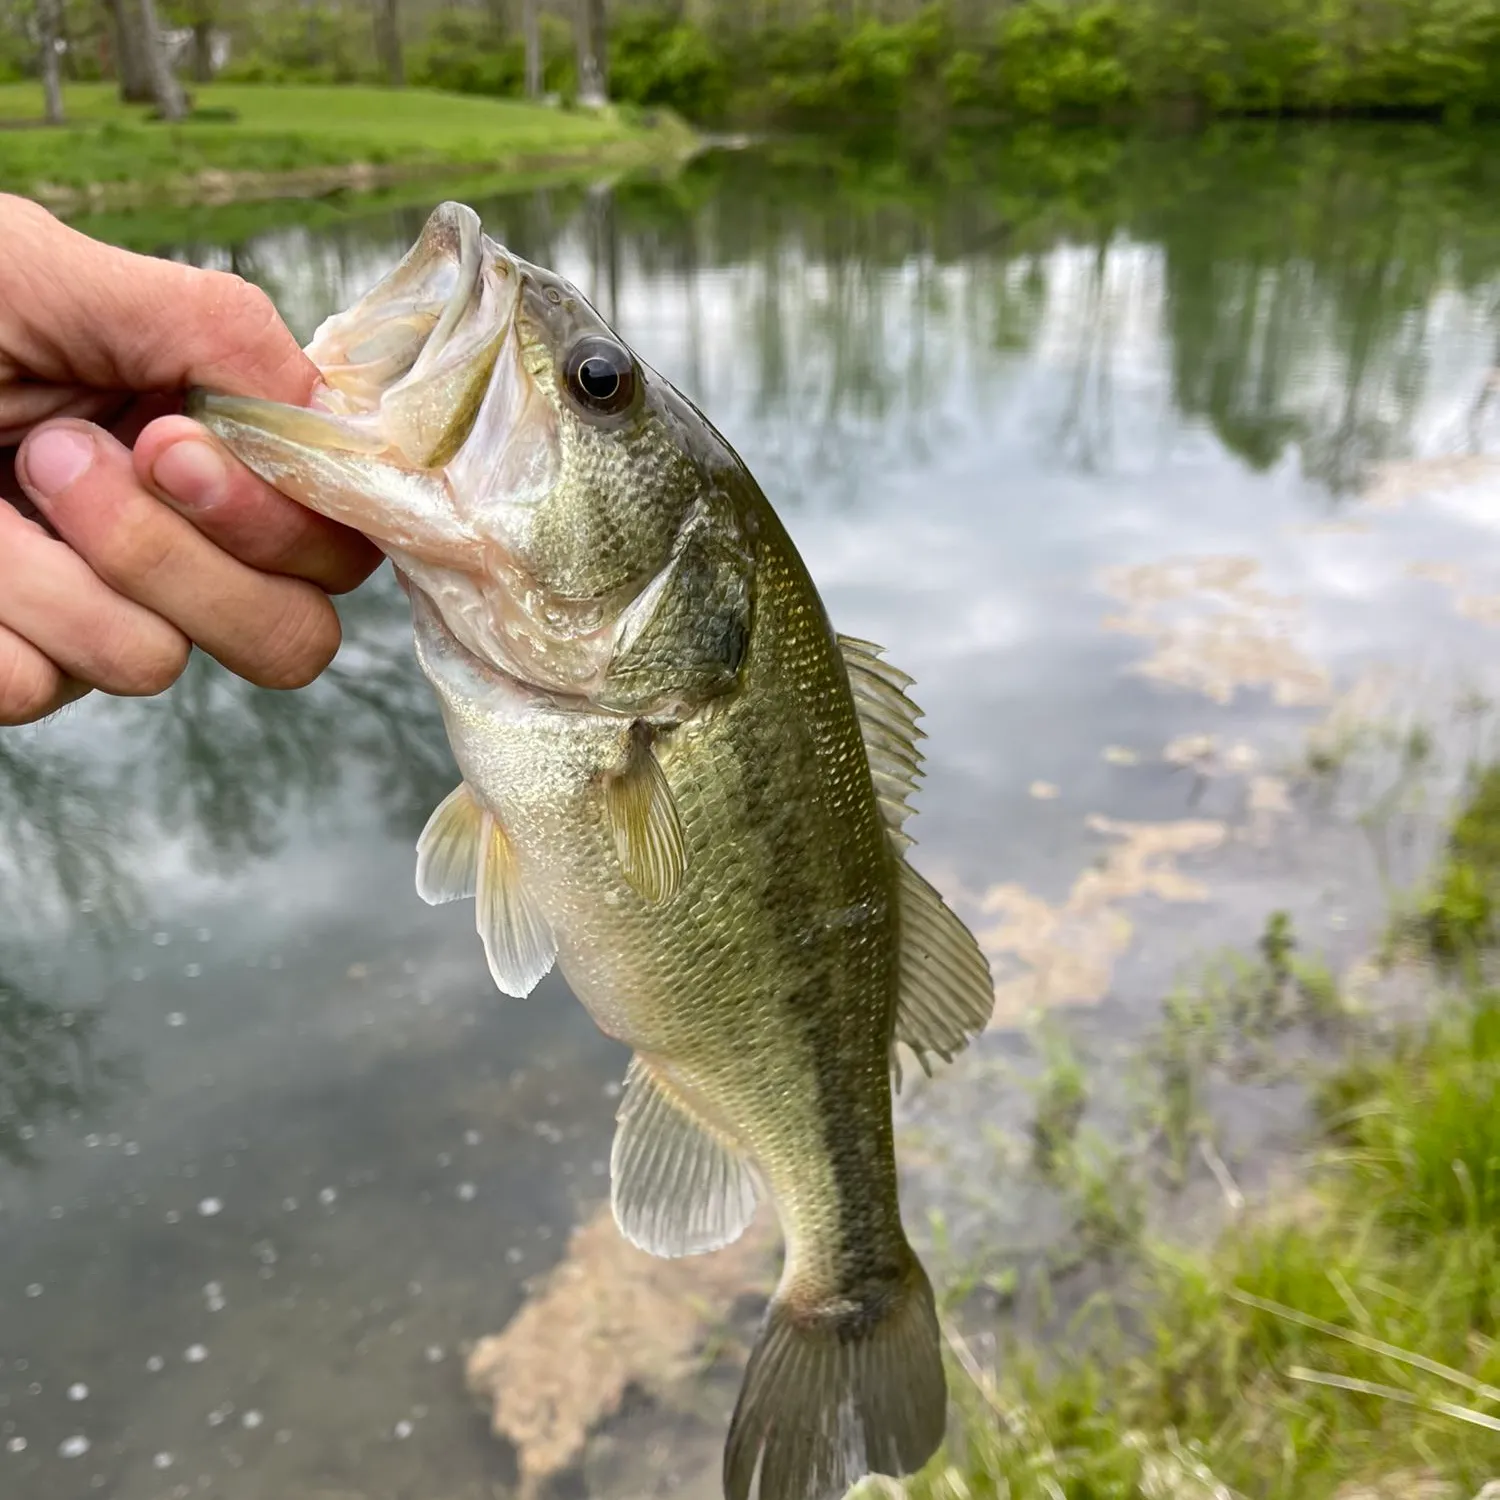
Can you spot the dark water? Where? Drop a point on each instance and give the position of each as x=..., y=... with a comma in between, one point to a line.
x=271, y=1148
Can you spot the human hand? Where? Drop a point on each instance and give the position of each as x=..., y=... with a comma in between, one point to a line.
x=114, y=563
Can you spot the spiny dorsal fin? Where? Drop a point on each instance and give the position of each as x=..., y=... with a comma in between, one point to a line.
x=644, y=821
x=518, y=942
x=676, y=1188
x=946, y=992
x=448, y=849
x=888, y=722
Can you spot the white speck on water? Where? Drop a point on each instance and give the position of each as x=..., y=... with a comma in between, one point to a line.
x=163, y=1460
x=34, y=1290
x=445, y=1159
x=289, y=1205
x=172, y=1216
x=176, y=1018
x=213, y=1289
x=434, y=1354
x=78, y=1391
x=403, y=1430
x=414, y=1288
x=219, y=1415
x=252, y=1419
x=328, y=1195
x=27, y=1132
x=211, y=1206
x=91, y=1141
x=612, y=1090
x=55, y=1212
x=161, y=939
x=131, y=1148
x=193, y=970
x=472, y=1137
x=16, y=1445
x=598, y=1168
x=73, y=1447
x=137, y=974
x=544, y=1231
x=156, y=1364
x=204, y=934
x=195, y=1354
x=284, y=1435
x=513, y=1255
x=467, y=1191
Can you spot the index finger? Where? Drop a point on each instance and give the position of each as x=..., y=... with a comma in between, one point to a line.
x=84, y=313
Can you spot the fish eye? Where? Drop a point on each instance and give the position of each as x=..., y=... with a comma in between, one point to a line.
x=600, y=375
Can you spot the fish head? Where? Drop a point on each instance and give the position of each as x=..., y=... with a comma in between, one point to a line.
x=563, y=511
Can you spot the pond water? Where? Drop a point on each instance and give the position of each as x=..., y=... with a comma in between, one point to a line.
x=1140, y=455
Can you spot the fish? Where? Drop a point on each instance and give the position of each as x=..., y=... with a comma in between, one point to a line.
x=680, y=786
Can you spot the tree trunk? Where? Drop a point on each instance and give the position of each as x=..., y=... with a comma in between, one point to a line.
x=46, y=25
x=130, y=62
x=388, y=41
x=171, y=103
x=203, y=43
x=593, y=77
x=531, y=24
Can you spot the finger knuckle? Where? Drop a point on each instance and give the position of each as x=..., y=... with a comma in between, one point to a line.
x=301, y=643
x=151, y=666
x=29, y=685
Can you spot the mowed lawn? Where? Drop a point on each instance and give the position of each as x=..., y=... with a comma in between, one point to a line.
x=280, y=128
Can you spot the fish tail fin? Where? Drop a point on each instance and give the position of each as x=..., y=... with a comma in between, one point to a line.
x=833, y=1394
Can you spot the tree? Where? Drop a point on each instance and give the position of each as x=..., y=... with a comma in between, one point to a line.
x=388, y=41
x=203, y=41
x=531, y=25
x=171, y=102
x=130, y=61
x=593, y=63
x=50, y=43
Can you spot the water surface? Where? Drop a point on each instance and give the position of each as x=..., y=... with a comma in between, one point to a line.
x=1112, y=442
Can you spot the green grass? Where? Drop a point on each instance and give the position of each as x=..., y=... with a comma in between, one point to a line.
x=1341, y=1333
x=281, y=129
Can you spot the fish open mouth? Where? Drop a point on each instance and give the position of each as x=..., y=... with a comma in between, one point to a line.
x=408, y=373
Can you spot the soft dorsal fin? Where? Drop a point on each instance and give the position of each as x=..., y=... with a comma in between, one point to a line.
x=644, y=822
x=888, y=722
x=677, y=1188
x=947, y=995
x=946, y=992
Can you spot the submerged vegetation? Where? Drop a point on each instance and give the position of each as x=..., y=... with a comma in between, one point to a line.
x=1342, y=1337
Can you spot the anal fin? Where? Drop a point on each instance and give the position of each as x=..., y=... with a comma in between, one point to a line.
x=676, y=1187
x=946, y=994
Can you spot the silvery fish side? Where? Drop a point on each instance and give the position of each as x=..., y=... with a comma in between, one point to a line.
x=680, y=786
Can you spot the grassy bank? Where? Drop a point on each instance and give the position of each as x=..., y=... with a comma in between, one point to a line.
x=1342, y=1339
x=248, y=141
x=821, y=65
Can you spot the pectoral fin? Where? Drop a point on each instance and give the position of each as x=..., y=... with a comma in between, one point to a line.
x=946, y=993
x=644, y=821
x=677, y=1189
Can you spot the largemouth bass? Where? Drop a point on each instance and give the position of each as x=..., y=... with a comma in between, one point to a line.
x=680, y=785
